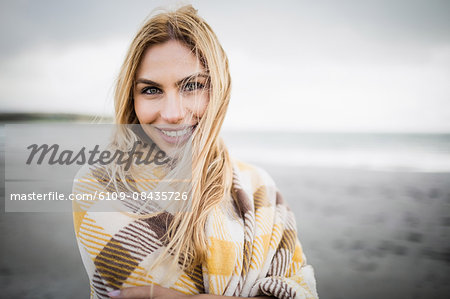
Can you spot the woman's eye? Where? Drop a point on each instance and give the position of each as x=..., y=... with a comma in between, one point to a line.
x=191, y=86
x=151, y=90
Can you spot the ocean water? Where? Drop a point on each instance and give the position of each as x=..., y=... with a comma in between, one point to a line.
x=413, y=152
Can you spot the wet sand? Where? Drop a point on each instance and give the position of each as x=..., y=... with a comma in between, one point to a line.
x=372, y=234
x=368, y=235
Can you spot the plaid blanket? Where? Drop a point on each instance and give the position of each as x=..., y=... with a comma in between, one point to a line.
x=253, y=247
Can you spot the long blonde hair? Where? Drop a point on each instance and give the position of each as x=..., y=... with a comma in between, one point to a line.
x=211, y=165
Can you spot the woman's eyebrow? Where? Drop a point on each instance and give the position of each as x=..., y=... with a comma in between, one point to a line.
x=147, y=81
x=179, y=82
x=192, y=77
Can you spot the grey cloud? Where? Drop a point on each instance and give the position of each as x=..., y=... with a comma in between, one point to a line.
x=403, y=20
x=25, y=24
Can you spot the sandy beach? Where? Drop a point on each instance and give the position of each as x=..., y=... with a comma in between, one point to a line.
x=372, y=234
x=368, y=235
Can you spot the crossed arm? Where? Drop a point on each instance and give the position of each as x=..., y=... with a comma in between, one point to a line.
x=160, y=293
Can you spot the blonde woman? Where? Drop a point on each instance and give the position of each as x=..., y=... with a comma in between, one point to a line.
x=234, y=236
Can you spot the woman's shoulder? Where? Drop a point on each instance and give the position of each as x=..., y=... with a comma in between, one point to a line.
x=92, y=184
x=257, y=174
x=92, y=176
x=256, y=182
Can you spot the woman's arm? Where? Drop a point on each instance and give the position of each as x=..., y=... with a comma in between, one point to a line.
x=160, y=293
x=208, y=296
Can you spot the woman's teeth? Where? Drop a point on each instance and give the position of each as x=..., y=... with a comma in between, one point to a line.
x=176, y=133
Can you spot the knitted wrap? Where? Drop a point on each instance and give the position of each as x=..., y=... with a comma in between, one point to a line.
x=253, y=248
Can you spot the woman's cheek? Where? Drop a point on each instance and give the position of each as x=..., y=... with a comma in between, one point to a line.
x=146, y=111
x=200, y=107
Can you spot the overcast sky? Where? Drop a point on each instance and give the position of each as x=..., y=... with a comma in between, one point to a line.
x=348, y=65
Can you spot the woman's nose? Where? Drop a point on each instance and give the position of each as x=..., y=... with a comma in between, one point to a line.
x=173, y=110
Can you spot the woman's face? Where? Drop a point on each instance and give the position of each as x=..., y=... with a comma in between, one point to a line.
x=171, y=93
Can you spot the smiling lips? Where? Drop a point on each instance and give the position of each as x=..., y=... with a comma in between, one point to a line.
x=176, y=135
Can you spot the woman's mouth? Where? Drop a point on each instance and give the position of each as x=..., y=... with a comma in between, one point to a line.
x=176, y=135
